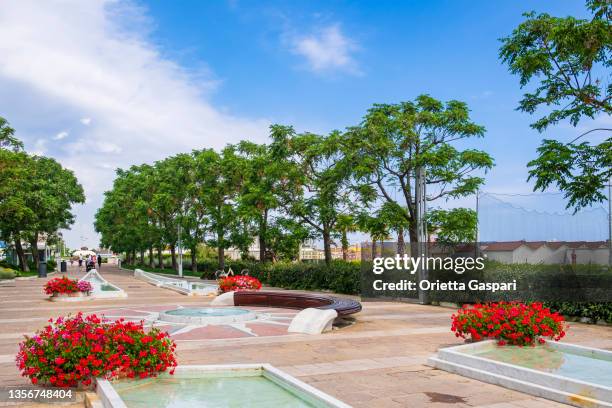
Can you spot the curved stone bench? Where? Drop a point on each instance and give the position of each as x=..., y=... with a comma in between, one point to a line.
x=289, y=300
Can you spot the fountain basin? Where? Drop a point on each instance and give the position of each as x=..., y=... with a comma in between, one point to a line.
x=207, y=315
x=101, y=287
x=235, y=385
x=566, y=373
x=182, y=286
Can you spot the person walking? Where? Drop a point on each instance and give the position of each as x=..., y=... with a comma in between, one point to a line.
x=80, y=262
x=99, y=261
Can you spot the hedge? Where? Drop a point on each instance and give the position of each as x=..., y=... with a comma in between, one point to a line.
x=339, y=277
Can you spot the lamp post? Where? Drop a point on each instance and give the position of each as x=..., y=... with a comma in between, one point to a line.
x=421, y=222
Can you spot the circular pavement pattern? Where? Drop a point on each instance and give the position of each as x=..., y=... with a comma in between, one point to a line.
x=239, y=322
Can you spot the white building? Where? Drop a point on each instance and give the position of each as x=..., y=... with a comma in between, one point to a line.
x=543, y=252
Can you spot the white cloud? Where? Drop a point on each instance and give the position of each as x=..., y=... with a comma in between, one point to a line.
x=74, y=56
x=61, y=135
x=327, y=49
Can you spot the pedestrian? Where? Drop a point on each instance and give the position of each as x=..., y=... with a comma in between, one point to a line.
x=99, y=261
x=80, y=262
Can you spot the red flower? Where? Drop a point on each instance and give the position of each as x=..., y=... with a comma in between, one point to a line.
x=66, y=352
x=232, y=283
x=509, y=322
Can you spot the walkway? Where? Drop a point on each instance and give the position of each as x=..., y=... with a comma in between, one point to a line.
x=377, y=362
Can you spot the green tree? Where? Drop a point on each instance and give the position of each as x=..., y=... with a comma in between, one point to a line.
x=15, y=215
x=394, y=141
x=36, y=198
x=53, y=190
x=453, y=226
x=259, y=195
x=219, y=177
x=568, y=60
x=7, y=138
x=316, y=187
x=346, y=224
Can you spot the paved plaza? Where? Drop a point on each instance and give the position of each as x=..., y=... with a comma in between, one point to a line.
x=377, y=361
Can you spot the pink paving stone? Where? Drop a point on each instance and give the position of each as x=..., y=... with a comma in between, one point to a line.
x=262, y=329
x=120, y=312
x=211, y=332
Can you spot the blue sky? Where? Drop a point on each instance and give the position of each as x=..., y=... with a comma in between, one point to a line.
x=104, y=84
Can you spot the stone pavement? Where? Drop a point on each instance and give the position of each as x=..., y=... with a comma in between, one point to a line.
x=376, y=362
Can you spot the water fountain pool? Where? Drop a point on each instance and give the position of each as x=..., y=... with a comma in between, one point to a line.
x=178, y=285
x=207, y=315
x=562, y=372
x=101, y=287
x=252, y=385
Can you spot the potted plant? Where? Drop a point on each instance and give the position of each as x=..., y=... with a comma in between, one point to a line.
x=64, y=287
x=511, y=323
x=233, y=283
x=70, y=352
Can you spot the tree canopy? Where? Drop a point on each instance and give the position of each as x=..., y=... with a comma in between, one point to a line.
x=567, y=60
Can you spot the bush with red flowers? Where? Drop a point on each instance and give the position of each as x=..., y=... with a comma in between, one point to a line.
x=65, y=285
x=70, y=351
x=508, y=322
x=232, y=283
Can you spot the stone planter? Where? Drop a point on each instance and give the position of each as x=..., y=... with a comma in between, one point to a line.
x=70, y=297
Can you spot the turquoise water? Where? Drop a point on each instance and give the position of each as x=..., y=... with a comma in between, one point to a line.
x=576, y=365
x=207, y=311
x=211, y=391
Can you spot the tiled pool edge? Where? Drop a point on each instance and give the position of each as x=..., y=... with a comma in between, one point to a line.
x=111, y=399
x=523, y=379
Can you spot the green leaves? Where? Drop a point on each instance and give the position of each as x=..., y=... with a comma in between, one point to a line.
x=393, y=141
x=7, y=138
x=454, y=226
x=579, y=170
x=568, y=60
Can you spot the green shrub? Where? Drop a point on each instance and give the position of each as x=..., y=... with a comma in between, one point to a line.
x=51, y=265
x=592, y=311
x=7, y=273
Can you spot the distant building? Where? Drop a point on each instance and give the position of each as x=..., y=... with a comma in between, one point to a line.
x=545, y=252
x=308, y=251
x=354, y=252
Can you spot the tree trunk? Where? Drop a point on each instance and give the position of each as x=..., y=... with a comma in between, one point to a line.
x=160, y=258
x=142, y=252
x=133, y=256
x=373, y=249
x=412, y=232
x=194, y=258
x=382, y=247
x=401, y=245
x=127, y=258
x=262, y=237
x=173, y=254
x=151, y=257
x=221, y=249
x=23, y=263
x=345, y=245
x=327, y=245
x=34, y=249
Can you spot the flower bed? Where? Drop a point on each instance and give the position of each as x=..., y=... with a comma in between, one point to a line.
x=65, y=286
x=508, y=322
x=70, y=351
x=232, y=283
